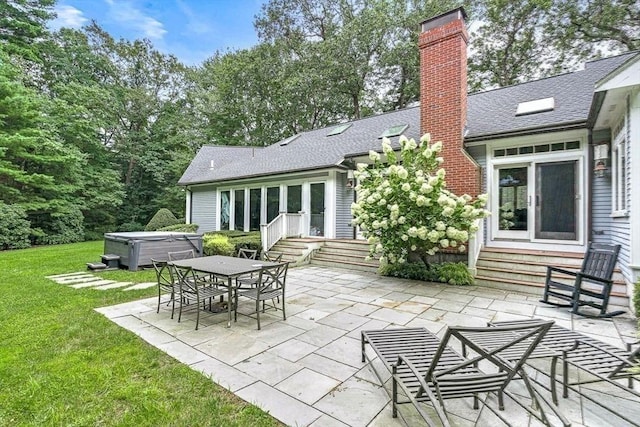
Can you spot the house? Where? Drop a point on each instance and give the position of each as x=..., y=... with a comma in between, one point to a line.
x=558, y=157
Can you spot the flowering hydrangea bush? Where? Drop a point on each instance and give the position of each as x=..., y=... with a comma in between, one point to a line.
x=403, y=206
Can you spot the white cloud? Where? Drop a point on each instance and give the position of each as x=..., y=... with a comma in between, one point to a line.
x=196, y=24
x=128, y=15
x=68, y=17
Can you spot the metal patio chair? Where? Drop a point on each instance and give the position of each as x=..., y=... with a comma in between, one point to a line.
x=270, y=286
x=247, y=253
x=597, y=361
x=192, y=289
x=428, y=370
x=248, y=281
x=166, y=283
x=591, y=286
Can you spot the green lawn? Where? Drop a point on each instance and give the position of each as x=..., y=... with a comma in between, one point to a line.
x=62, y=363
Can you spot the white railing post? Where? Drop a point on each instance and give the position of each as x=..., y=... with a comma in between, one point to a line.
x=475, y=246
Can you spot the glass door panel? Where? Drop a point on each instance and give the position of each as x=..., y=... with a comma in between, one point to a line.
x=513, y=202
x=316, y=225
x=556, y=201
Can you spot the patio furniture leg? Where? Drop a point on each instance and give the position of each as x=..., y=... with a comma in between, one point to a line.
x=394, y=397
x=258, y=312
x=565, y=377
x=552, y=377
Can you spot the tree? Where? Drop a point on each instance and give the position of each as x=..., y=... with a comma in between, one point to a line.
x=520, y=41
x=601, y=27
x=403, y=205
x=37, y=171
x=509, y=47
x=22, y=26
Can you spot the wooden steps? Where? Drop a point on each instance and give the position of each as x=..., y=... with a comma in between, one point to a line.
x=525, y=271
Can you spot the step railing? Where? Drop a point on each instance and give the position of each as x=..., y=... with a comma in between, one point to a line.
x=284, y=225
x=475, y=246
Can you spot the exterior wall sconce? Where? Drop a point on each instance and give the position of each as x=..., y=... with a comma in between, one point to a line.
x=350, y=179
x=600, y=158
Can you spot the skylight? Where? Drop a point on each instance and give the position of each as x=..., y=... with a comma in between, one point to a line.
x=288, y=140
x=339, y=129
x=536, y=106
x=394, y=131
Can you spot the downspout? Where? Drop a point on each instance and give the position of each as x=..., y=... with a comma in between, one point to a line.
x=590, y=185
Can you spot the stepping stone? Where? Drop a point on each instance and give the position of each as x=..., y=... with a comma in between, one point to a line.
x=144, y=285
x=92, y=284
x=114, y=285
x=55, y=276
x=76, y=279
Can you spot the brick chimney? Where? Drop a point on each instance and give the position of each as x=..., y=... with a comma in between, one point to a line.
x=443, y=96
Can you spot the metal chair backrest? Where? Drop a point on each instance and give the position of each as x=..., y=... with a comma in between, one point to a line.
x=272, y=257
x=600, y=260
x=164, y=275
x=178, y=255
x=273, y=277
x=247, y=253
x=186, y=278
x=507, y=348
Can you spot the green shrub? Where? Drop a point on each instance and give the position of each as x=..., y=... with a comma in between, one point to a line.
x=67, y=227
x=162, y=218
x=131, y=226
x=247, y=242
x=14, y=227
x=453, y=273
x=184, y=228
x=216, y=244
x=409, y=270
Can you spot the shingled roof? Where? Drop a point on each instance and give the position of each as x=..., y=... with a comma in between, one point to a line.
x=491, y=114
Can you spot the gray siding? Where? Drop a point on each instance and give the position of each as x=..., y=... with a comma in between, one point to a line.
x=605, y=228
x=344, y=198
x=601, y=221
x=479, y=154
x=621, y=227
x=203, y=208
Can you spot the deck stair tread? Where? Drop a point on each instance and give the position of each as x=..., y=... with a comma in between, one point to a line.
x=525, y=270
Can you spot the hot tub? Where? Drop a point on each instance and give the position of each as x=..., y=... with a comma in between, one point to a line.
x=136, y=248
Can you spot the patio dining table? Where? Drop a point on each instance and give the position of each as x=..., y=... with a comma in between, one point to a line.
x=225, y=267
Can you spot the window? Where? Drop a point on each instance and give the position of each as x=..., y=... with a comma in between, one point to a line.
x=619, y=169
x=339, y=129
x=225, y=210
x=273, y=203
x=238, y=206
x=255, y=196
x=536, y=106
x=294, y=198
x=393, y=131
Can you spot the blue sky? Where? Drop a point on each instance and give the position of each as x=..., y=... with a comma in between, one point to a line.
x=192, y=30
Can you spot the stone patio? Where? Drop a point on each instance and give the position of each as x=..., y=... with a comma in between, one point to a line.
x=307, y=371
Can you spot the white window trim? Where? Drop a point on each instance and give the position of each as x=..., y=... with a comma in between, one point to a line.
x=619, y=172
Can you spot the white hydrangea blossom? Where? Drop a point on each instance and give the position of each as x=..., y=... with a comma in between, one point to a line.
x=403, y=205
